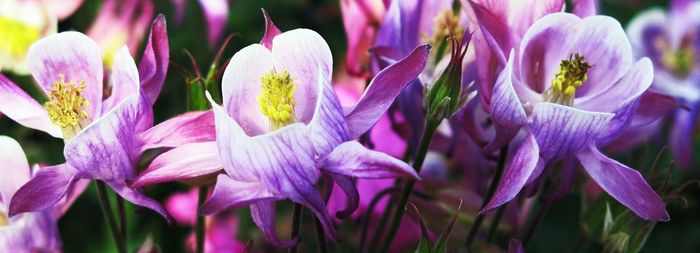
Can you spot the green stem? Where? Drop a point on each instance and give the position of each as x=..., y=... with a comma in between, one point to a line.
x=422, y=151
x=122, y=220
x=492, y=189
x=109, y=215
x=200, y=226
x=493, y=229
x=322, y=244
x=296, y=225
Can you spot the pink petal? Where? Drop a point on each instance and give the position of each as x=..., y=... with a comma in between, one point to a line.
x=46, y=188
x=271, y=31
x=138, y=198
x=182, y=129
x=507, y=112
x=19, y=106
x=216, y=14
x=124, y=79
x=353, y=159
x=188, y=161
x=14, y=166
x=154, y=62
x=229, y=193
x=585, y=8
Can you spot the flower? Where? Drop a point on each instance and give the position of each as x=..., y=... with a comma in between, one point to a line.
x=281, y=125
x=27, y=232
x=361, y=20
x=573, y=86
x=102, y=137
x=215, y=13
x=672, y=42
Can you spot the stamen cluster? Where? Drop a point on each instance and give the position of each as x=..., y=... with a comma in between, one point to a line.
x=571, y=74
x=17, y=36
x=67, y=108
x=276, y=99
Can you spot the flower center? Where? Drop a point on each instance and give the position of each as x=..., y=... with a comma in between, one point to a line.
x=276, y=98
x=68, y=108
x=680, y=61
x=446, y=24
x=4, y=221
x=571, y=74
x=17, y=37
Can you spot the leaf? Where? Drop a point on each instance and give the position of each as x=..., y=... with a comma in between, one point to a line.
x=441, y=247
x=425, y=244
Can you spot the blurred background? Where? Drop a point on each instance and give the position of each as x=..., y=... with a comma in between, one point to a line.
x=83, y=229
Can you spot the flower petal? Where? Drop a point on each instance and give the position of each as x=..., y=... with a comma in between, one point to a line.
x=154, y=62
x=383, y=89
x=623, y=183
x=681, y=141
x=271, y=31
x=14, y=166
x=525, y=161
x=645, y=30
x=138, y=198
x=353, y=159
x=507, y=112
x=229, y=193
x=216, y=14
x=46, y=188
x=305, y=55
x=562, y=130
x=327, y=128
x=188, y=161
x=347, y=184
x=19, y=106
x=495, y=31
x=585, y=8
x=124, y=79
x=182, y=129
x=71, y=54
x=263, y=214
x=241, y=86
x=627, y=89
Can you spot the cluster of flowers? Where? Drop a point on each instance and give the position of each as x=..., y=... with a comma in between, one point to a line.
x=426, y=81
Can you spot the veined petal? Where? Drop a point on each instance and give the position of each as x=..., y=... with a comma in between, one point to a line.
x=681, y=140
x=306, y=56
x=400, y=27
x=241, y=85
x=328, y=127
x=624, y=184
x=15, y=168
x=154, y=62
x=188, y=161
x=506, y=110
x=263, y=214
x=19, y=106
x=71, y=54
x=138, y=198
x=353, y=159
x=627, y=89
x=519, y=168
x=271, y=31
x=562, y=130
x=46, y=188
x=124, y=79
x=229, y=193
x=182, y=129
x=307, y=195
x=383, y=89
x=347, y=184
x=495, y=31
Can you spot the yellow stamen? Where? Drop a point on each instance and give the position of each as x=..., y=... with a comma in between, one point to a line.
x=276, y=99
x=680, y=61
x=4, y=221
x=17, y=37
x=68, y=108
x=446, y=25
x=571, y=74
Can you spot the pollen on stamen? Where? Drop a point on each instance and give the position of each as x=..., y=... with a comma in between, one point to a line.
x=68, y=108
x=276, y=99
x=571, y=74
x=4, y=221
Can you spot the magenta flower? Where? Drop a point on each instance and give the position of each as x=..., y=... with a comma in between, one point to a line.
x=28, y=232
x=361, y=19
x=102, y=137
x=215, y=13
x=672, y=42
x=573, y=86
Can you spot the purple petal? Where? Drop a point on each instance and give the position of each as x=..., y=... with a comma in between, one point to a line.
x=327, y=128
x=522, y=14
x=400, y=27
x=185, y=128
x=263, y=214
x=156, y=57
x=229, y=193
x=627, y=89
x=241, y=86
x=138, y=198
x=624, y=184
x=383, y=89
x=216, y=14
x=681, y=141
x=306, y=56
x=516, y=174
x=653, y=106
x=566, y=180
x=347, y=184
x=46, y=188
x=271, y=31
x=562, y=130
x=585, y=8
x=74, y=191
x=124, y=79
x=188, y=161
x=507, y=112
x=71, y=54
x=495, y=31
x=14, y=166
x=353, y=159
x=19, y=106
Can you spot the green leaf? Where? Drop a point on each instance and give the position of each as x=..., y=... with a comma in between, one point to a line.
x=441, y=245
x=425, y=245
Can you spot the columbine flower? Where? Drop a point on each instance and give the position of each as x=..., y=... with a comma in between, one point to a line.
x=281, y=125
x=29, y=232
x=573, y=86
x=673, y=43
x=361, y=20
x=102, y=137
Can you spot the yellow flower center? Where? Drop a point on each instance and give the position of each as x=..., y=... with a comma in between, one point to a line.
x=276, y=98
x=571, y=74
x=446, y=25
x=111, y=47
x=4, y=221
x=68, y=108
x=680, y=61
x=17, y=37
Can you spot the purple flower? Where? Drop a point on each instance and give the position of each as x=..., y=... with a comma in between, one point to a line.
x=28, y=232
x=572, y=86
x=281, y=125
x=102, y=137
x=672, y=42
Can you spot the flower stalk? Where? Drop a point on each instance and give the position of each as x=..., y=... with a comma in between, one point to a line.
x=109, y=216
